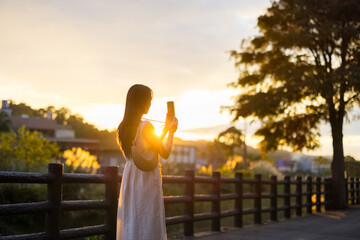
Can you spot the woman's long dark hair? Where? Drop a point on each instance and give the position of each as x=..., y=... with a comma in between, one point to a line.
x=137, y=100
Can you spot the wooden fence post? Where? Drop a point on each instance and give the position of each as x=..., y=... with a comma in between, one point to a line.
x=189, y=206
x=257, y=201
x=287, y=211
x=318, y=194
x=347, y=192
x=111, y=196
x=309, y=189
x=273, y=199
x=215, y=206
x=352, y=191
x=299, y=196
x=54, y=197
x=239, y=200
x=328, y=194
x=357, y=191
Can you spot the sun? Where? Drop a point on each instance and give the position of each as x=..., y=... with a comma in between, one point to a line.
x=158, y=130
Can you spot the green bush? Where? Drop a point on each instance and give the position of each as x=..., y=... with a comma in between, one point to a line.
x=22, y=223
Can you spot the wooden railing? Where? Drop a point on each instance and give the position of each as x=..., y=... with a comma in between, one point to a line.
x=352, y=191
x=54, y=205
x=314, y=187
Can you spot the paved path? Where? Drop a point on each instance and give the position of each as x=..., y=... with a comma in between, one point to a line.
x=332, y=225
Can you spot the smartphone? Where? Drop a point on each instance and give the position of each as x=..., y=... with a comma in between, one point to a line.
x=171, y=109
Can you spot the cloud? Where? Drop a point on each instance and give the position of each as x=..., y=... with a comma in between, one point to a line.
x=92, y=51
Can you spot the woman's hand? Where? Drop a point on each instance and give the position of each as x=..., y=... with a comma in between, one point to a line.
x=173, y=125
x=167, y=121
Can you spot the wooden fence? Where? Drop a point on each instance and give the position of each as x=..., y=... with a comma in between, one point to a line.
x=55, y=178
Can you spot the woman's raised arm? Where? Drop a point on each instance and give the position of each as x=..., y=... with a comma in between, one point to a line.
x=156, y=142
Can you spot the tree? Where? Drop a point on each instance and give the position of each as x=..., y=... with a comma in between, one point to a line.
x=5, y=124
x=25, y=151
x=302, y=69
x=215, y=154
x=22, y=108
x=80, y=161
x=63, y=116
x=352, y=166
x=230, y=139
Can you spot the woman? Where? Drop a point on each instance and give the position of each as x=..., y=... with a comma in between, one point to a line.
x=141, y=213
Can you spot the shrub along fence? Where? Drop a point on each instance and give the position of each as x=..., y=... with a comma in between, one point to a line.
x=54, y=206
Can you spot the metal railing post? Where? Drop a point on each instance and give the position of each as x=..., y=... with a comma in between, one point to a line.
x=54, y=197
x=111, y=196
x=189, y=206
x=239, y=200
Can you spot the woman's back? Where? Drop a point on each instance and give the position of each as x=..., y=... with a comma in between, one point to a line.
x=141, y=213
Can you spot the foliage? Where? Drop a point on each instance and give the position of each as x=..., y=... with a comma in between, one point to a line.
x=25, y=151
x=78, y=160
x=226, y=170
x=22, y=108
x=64, y=116
x=21, y=223
x=215, y=154
x=303, y=68
x=205, y=170
x=231, y=166
x=321, y=160
x=352, y=166
x=86, y=130
x=229, y=140
x=174, y=168
x=5, y=124
x=265, y=168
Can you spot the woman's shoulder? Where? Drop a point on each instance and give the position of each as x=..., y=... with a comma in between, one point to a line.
x=147, y=125
x=147, y=128
x=148, y=131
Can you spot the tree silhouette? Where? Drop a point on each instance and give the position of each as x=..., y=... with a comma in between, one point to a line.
x=5, y=123
x=303, y=68
x=229, y=140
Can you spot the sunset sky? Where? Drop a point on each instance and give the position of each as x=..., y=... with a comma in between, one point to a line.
x=84, y=55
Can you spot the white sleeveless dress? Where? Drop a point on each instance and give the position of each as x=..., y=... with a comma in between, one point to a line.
x=141, y=212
